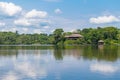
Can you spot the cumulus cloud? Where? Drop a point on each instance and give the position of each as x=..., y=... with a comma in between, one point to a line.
x=9, y=9
x=22, y=22
x=103, y=68
x=29, y=70
x=38, y=31
x=2, y=24
x=36, y=14
x=10, y=76
x=30, y=21
x=36, y=23
x=33, y=18
x=58, y=11
x=104, y=19
x=46, y=27
x=25, y=29
x=59, y=22
x=26, y=69
x=13, y=29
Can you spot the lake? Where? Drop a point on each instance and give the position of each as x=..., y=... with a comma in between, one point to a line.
x=54, y=63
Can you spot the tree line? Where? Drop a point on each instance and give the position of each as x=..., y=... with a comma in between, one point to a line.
x=110, y=35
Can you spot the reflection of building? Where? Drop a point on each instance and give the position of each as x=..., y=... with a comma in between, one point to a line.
x=101, y=47
x=76, y=53
x=73, y=36
x=100, y=42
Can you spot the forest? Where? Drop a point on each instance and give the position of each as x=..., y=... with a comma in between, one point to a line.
x=110, y=35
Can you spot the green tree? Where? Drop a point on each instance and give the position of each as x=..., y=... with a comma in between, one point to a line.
x=58, y=36
x=110, y=33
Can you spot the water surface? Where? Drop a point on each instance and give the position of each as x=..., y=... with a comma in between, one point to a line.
x=54, y=63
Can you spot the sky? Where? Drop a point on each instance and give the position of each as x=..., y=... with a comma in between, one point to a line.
x=44, y=16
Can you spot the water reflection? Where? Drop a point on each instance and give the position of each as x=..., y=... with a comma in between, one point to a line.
x=108, y=53
x=58, y=54
x=25, y=66
x=42, y=63
x=103, y=68
x=8, y=53
x=10, y=76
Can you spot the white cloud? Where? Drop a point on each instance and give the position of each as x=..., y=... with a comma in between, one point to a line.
x=2, y=24
x=36, y=23
x=25, y=29
x=66, y=24
x=10, y=76
x=36, y=14
x=22, y=22
x=33, y=21
x=9, y=9
x=26, y=69
x=29, y=70
x=104, y=19
x=37, y=31
x=58, y=11
x=103, y=68
x=13, y=29
x=46, y=27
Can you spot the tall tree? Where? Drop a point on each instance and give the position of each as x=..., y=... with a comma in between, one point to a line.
x=58, y=35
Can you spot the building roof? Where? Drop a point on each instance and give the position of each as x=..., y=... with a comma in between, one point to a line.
x=74, y=35
x=100, y=41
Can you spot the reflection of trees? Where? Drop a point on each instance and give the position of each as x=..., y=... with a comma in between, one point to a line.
x=8, y=53
x=74, y=51
x=28, y=47
x=58, y=54
x=14, y=51
x=108, y=53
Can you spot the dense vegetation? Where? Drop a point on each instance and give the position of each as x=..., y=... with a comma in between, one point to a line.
x=111, y=35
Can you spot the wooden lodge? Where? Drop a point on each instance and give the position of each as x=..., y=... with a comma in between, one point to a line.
x=73, y=36
x=100, y=42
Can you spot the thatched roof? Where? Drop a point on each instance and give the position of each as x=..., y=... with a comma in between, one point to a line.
x=74, y=35
x=100, y=41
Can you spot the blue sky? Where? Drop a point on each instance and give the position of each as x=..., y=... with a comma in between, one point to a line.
x=43, y=16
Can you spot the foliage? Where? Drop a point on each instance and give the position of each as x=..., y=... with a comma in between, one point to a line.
x=110, y=35
x=92, y=36
x=58, y=36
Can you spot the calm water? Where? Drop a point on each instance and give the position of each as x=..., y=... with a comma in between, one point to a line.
x=52, y=63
